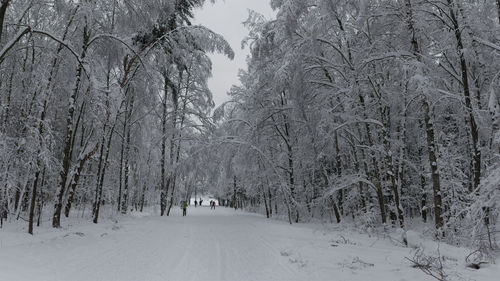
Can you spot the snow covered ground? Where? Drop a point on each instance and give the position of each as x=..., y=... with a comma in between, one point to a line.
x=214, y=245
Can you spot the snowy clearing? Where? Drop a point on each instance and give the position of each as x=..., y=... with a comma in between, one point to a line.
x=213, y=245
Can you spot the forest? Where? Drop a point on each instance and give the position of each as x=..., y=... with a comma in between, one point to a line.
x=381, y=113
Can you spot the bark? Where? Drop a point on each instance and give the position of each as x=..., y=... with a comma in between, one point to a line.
x=9, y=97
x=498, y=10
x=173, y=162
x=179, y=136
x=164, y=188
x=33, y=201
x=40, y=199
x=146, y=182
x=263, y=194
x=436, y=185
x=291, y=173
x=127, y=155
x=56, y=218
x=76, y=176
x=234, y=193
x=97, y=204
x=103, y=162
x=331, y=198
x=338, y=161
x=72, y=187
x=378, y=186
x=423, y=202
x=357, y=167
x=270, y=202
x=390, y=165
x=379, y=190
x=3, y=9
x=120, y=175
x=38, y=168
x=429, y=129
x=102, y=174
x=20, y=197
x=466, y=91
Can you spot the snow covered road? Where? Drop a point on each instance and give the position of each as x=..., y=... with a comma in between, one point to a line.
x=206, y=245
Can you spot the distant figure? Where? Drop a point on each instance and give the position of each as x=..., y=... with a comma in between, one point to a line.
x=195, y=203
x=201, y=201
x=213, y=205
x=184, y=207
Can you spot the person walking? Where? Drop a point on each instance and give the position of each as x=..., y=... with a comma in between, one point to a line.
x=184, y=208
x=201, y=201
x=213, y=205
x=195, y=203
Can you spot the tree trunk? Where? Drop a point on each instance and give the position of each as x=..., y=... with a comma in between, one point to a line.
x=263, y=194
x=331, y=198
x=76, y=176
x=291, y=174
x=379, y=190
x=468, y=104
x=33, y=201
x=97, y=203
x=56, y=219
x=72, y=189
x=120, y=175
x=423, y=202
x=357, y=167
x=338, y=163
x=436, y=185
x=127, y=154
x=390, y=168
x=40, y=199
x=3, y=9
x=430, y=136
x=164, y=187
x=498, y=7
x=38, y=167
x=179, y=137
x=270, y=201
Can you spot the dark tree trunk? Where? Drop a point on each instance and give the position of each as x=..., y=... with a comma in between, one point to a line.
x=270, y=201
x=127, y=155
x=3, y=9
x=76, y=176
x=498, y=7
x=430, y=136
x=120, y=175
x=66, y=163
x=265, y=202
x=164, y=187
x=357, y=167
x=436, y=185
x=376, y=168
x=38, y=167
x=423, y=203
x=468, y=104
x=97, y=203
x=40, y=199
x=338, y=161
x=72, y=189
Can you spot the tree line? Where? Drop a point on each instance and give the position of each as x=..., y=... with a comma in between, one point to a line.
x=378, y=111
x=101, y=103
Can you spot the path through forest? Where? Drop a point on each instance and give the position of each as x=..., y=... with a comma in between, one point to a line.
x=206, y=245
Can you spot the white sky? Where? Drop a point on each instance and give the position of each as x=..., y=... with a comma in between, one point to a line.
x=225, y=17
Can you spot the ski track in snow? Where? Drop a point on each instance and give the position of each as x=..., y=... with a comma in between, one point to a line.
x=208, y=245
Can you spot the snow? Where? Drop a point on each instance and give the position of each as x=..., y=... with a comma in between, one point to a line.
x=221, y=244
